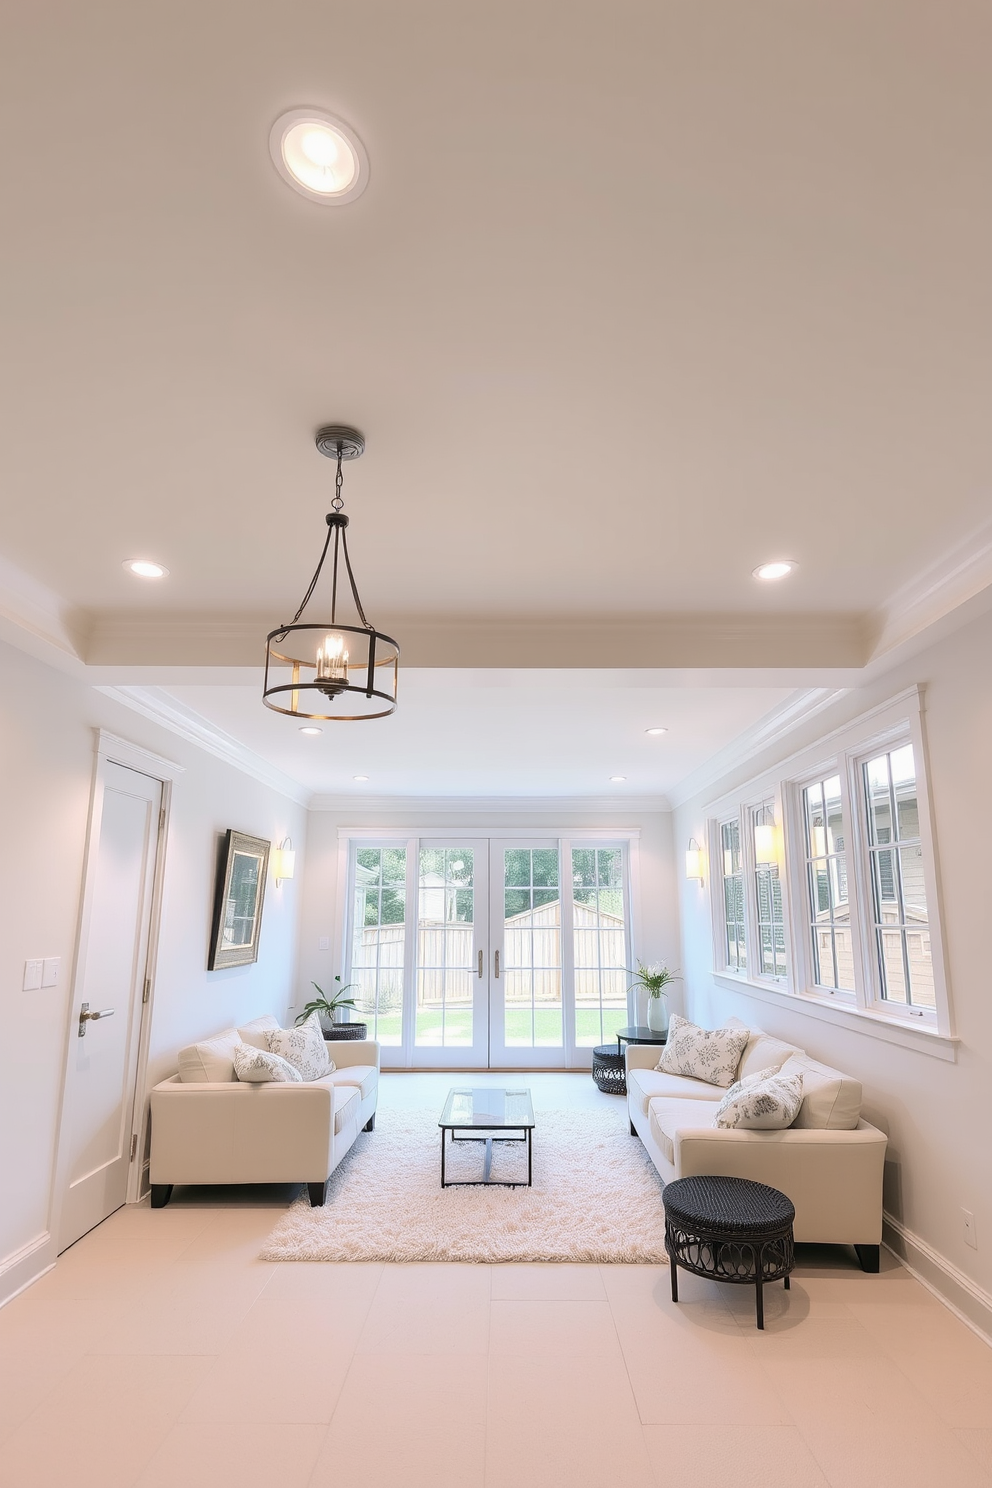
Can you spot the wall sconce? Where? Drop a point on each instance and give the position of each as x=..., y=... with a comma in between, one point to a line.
x=283, y=861
x=764, y=842
x=694, y=860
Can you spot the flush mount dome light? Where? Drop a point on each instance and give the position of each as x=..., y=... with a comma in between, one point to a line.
x=656, y=731
x=779, y=569
x=319, y=156
x=145, y=568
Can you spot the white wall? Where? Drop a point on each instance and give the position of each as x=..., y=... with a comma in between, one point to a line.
x=655, y=916
x=936, y=1113
x=47, y=724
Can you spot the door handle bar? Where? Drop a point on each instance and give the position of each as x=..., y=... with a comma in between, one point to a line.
x=85, y=1016
x=481, y=964
x=496, y=964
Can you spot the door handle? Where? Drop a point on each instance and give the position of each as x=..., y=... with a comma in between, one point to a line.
x=85, y=1016
x=496, y=964
x=481, y=964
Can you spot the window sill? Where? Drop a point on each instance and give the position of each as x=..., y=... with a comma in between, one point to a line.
x=860, y=1020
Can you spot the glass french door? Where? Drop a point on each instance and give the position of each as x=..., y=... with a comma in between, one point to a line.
x=474, y=952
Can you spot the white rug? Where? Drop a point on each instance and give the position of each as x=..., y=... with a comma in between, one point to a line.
x=596, y=1197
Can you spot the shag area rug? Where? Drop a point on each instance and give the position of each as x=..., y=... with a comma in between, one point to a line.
x=596, y=1197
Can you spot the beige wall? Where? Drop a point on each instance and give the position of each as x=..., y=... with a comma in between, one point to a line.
x=47, y=724
x=936, y=1113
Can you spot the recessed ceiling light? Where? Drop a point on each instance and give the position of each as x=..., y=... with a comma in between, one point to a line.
x=310, y=728
x=656, y=731
x=319, y=156
x=359, y=777
x=144, y=568
x=777, y=570
x=617, y=778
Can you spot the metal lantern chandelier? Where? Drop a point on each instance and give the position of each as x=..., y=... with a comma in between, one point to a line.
x=324, y=669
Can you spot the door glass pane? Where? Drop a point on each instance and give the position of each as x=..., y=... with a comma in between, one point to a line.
x=599, y=944
x=445, y=947
x=531, y=960
x=378, y=940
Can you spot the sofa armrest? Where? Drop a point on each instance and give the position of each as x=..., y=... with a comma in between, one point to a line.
x=345, y=1052
x=642, y=1056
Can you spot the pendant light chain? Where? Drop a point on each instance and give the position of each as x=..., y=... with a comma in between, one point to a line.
x=338, y=500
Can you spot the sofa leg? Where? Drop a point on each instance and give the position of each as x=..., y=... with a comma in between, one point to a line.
x=317, y=1192
x=370, y=1124
x=161, y=1194
x=633, y=1130
x=869, y=1256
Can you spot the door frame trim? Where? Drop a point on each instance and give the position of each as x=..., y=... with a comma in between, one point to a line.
x=111, y=750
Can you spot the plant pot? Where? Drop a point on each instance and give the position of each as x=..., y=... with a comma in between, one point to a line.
x=658, y=1014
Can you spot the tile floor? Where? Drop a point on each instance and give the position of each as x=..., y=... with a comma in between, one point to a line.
x=161, y=1352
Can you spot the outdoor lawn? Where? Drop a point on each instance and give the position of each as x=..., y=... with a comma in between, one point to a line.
x=524, y=1028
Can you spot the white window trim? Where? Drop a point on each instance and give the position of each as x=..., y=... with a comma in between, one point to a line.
x=841, y=752
x=795, y=829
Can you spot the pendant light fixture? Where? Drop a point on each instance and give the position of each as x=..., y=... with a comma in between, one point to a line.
x=325, y=669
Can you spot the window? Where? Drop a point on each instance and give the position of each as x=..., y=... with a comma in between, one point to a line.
x=769, y=910
x=735, y=955
x=378, y=940
x=532, y=947
x=445, y=946
x=600, y=944
x=829, y=910
x=899, y=922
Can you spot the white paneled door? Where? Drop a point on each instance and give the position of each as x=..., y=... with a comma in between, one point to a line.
x=106, y=1014
x=481, y=952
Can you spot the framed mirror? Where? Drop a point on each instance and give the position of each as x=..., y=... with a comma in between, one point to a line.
x=238, y=901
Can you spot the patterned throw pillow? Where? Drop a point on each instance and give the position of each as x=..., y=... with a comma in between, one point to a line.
x=710, y=1054
x=257, y=1066
x=767, y=1101
x=303, y=1046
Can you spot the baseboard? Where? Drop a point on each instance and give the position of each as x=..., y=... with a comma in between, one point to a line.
x=965, y=1298
x=22, y=1267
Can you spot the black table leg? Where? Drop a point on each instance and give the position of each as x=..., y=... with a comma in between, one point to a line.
x=443, y=1135
x=673, y=1267
x=530, y=1157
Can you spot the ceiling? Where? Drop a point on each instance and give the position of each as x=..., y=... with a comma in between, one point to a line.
x=638, y=297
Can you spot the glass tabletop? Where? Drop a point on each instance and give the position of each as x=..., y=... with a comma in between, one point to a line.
x=488, y=1107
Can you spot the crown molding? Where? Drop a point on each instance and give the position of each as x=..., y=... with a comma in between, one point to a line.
x=163, y=710
x=963, y=572
x=767, y=732
x=39, y=621
x=421, y=806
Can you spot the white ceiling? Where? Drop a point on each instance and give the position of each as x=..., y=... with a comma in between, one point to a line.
x=496, y=733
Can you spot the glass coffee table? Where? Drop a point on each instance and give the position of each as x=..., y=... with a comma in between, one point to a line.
x=488, y=1112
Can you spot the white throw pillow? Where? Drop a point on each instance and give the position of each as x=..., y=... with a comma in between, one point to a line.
x=257, y=1031
x=303, y=1046
x=766, y=1101
x=210, y=1062
x=710, y=1054
x=258, y=1066
x=831, y=1101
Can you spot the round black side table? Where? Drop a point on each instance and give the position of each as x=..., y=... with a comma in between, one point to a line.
x=608, y=1070
x=729, y=1229
x=346, y=1031
x=639, y=1035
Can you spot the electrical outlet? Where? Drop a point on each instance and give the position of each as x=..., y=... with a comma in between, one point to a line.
x=50, y=971
x=970, y=1233
x=324, y=943
x=32, y=975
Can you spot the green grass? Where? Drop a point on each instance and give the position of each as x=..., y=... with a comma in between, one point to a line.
x=546, y=1031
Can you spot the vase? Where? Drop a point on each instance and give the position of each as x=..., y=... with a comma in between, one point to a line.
x=658, y=1014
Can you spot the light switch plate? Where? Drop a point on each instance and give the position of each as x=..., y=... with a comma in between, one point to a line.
x=32, y=975
x=324, y=943
x=50, y=971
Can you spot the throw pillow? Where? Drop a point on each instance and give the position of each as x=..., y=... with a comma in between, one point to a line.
x=766, y=1101
x=710, y=1054
x=256, y=1066
x=257, y=1031
x=303, y=1046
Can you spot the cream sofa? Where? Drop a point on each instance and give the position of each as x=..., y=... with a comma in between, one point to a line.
x=829, y=1162
x=208, y=1127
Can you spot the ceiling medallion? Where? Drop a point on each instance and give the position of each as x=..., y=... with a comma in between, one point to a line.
x=324, y=669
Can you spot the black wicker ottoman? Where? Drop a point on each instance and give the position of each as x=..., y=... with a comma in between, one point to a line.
x=729, y=1229
x=608, y=1070
x=346, y=1031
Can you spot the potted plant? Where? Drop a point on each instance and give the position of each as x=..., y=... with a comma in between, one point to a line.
x=650, y=982
x=329, y=1008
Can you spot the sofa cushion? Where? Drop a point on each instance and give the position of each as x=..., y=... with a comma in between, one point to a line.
x=343, y=1097
x=666, y=1117
x=304, y=1046
x=261, y=1067
x=256, y=1033
x=831, y=1101
x=710, y=1054
x=765, y=1101
x=210, y=1061
x=643, y=1085
x=364, y=1076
